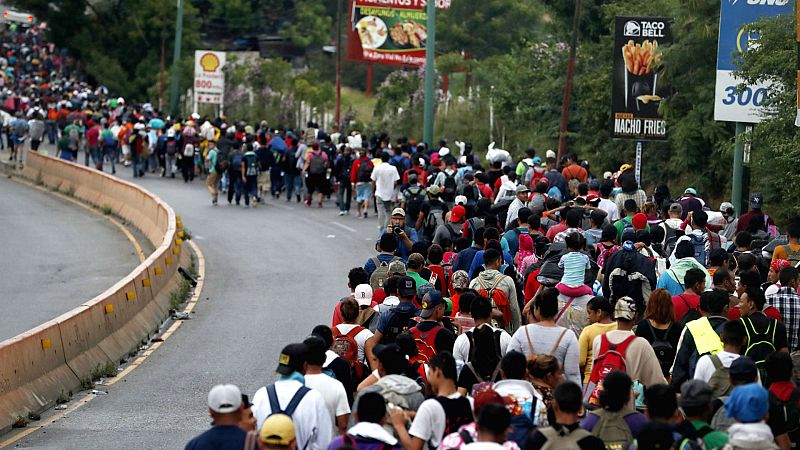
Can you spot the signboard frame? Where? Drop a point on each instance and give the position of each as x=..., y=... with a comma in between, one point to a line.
x=209, y=78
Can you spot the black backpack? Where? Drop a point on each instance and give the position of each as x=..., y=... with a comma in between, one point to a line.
x=416, y=197
x=251, y=165
x=487, y=369
x=449, y=191
x=398, y=324
x=364, y=173
x=663, y=349
x=691, y=314
x=788, y=409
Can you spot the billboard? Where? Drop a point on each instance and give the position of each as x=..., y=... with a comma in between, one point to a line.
x=389, y=31
x=209, y=78
x=635, y=92
x=730, y=105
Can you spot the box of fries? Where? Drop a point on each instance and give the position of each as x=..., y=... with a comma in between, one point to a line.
x=636, y=94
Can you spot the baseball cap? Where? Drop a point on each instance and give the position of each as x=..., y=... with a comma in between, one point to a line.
x=224, y=398
x=625, y=309
x=397, y=268
x=726, y=207
x=779, y=264
x=291, y=359
x=407, y=287
x=639, y=221
x=756, y=200
x=434, y=190
x=522, y=189
x=550, y=154
x=461, y=200
x=363, y=294
x=748, y=403
x=592, y=198
x=690, y=191
x=695, y=393
x=607, y=175
x=429, y=303
x=277, y=429
x=743, y=368
x=444, y=151
x=536, y=160
x=398, y=212
x=460, y=279
x=457, y=214
x=625, y=167
x=676, y=208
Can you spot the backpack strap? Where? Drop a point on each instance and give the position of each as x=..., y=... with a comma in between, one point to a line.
x=716, y=361
x=376, y=261
x=298, y=397
x=471, y=356
x=274, y=404
x=564, y=309
x=530, y=344
x=622, y=347
x=354, y=332
x=466, y=437
x=555, y=347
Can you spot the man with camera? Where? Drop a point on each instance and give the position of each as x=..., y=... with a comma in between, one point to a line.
x=406, y=236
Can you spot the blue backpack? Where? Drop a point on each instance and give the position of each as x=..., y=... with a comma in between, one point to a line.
x=555, y=193
x=699, y=249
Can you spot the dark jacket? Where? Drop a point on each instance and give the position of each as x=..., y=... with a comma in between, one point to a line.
x=632, y=262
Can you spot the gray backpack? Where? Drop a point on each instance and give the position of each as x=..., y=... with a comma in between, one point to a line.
x=558, y=441
x=720, y=379
x=612, y=429
x=721, y=421
x=381, y=273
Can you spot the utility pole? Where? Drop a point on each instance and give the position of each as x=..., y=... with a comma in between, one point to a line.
x=338, y=117
x=562, y=132
x=430, y=73
x=161, y=69
x=176, y=57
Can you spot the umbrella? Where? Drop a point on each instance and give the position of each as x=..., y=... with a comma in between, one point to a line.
x=156, y=123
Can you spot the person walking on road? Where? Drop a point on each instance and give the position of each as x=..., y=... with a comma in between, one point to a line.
x=314, y=172
x=216, y=165
x=361, y=177
x=225, y=408
x=250, y=175
x=384, y=180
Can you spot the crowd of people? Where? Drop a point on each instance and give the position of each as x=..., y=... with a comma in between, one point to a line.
x=524, y=304
x=511, y=303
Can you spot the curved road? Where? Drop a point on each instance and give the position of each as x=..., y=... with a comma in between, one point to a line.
x=56, y=255
x=272, y=274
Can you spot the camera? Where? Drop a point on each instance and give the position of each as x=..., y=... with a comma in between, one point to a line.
x=397, y=230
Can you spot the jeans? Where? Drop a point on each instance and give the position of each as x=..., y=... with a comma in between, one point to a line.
x=87, y=153
x=137, y=164
x=110, y=153
x=234, y=185
x=212, y=182
x=384, y=212
x=250, y=188
x=97, y=157
x=51, y=131
x=152, y=161
x=276, y=180
x=294, y=185
x=171, y=165
x=187, y=168
x=345, y=194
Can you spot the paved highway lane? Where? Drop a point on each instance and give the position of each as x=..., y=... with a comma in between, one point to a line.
x=272, y=274
x=55, y=256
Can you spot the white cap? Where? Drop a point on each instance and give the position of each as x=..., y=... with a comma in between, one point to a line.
x=224, y=398
x=138, y=126
x=444, y=151
x=195, y=116
x=461, y=200
x=550, y=154
x=171, y=132
x=363, y=294
x=121, y=100
x=607, y=175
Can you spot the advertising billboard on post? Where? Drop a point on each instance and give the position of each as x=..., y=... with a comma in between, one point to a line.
x=730, y=104
x=389, y=31
x=636, y=94
x=209, y=78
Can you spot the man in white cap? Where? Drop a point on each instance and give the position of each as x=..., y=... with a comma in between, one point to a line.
x=367, y=315
x=731, y=222
x=225, y=407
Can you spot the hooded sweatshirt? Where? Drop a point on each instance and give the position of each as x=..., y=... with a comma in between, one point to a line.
x=672, y=279
x=755, y=436
x=398, y=390
x=487, y=280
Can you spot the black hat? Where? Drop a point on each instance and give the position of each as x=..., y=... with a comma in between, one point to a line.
x=407, y=287
x=292, y=358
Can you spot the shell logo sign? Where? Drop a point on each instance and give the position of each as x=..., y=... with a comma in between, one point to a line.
x=209, y=62
x=209, y=77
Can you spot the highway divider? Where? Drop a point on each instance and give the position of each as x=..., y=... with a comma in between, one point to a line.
x=48, y=362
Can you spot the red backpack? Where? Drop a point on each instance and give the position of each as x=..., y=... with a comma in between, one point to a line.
x=438, y=273
x=498, y=297
x=346, y=347
x=610, y=357
x=426, y=344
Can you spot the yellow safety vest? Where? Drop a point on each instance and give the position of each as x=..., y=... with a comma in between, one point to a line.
x=705, y=338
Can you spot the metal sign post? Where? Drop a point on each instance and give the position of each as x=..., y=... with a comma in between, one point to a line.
x=639, y=145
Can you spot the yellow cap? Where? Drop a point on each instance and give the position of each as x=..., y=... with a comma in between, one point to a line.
x=625, y=167
x=278, y=429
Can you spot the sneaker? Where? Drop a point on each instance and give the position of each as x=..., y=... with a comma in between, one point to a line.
x=365, y=215
x=319, y=205
x=307, y=203
x=341, y=213
x=298, y=199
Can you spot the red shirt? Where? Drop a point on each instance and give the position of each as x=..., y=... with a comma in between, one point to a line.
x=93, y=137
x=683, y=303
x=554, y=230
x=486, y=191
x=354, y=170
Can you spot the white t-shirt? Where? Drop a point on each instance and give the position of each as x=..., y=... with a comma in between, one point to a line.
x=611, y=208
x=705, y=367
x=461, y=348
x=309, y=417
x=361, y=338
x=430, y=422
x=333, y=393
x=385, y=176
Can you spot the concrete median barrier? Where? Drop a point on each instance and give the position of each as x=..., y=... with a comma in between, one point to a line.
x=51, y=360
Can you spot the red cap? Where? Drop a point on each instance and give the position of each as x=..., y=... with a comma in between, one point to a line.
x=779, y=264
x=458, y=214
x=639, y=222
x=487, y=397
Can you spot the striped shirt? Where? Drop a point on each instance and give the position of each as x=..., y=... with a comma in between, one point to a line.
x=787, y=301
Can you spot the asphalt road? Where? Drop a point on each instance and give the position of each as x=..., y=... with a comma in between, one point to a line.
x=273, y=273
x=56, y=255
